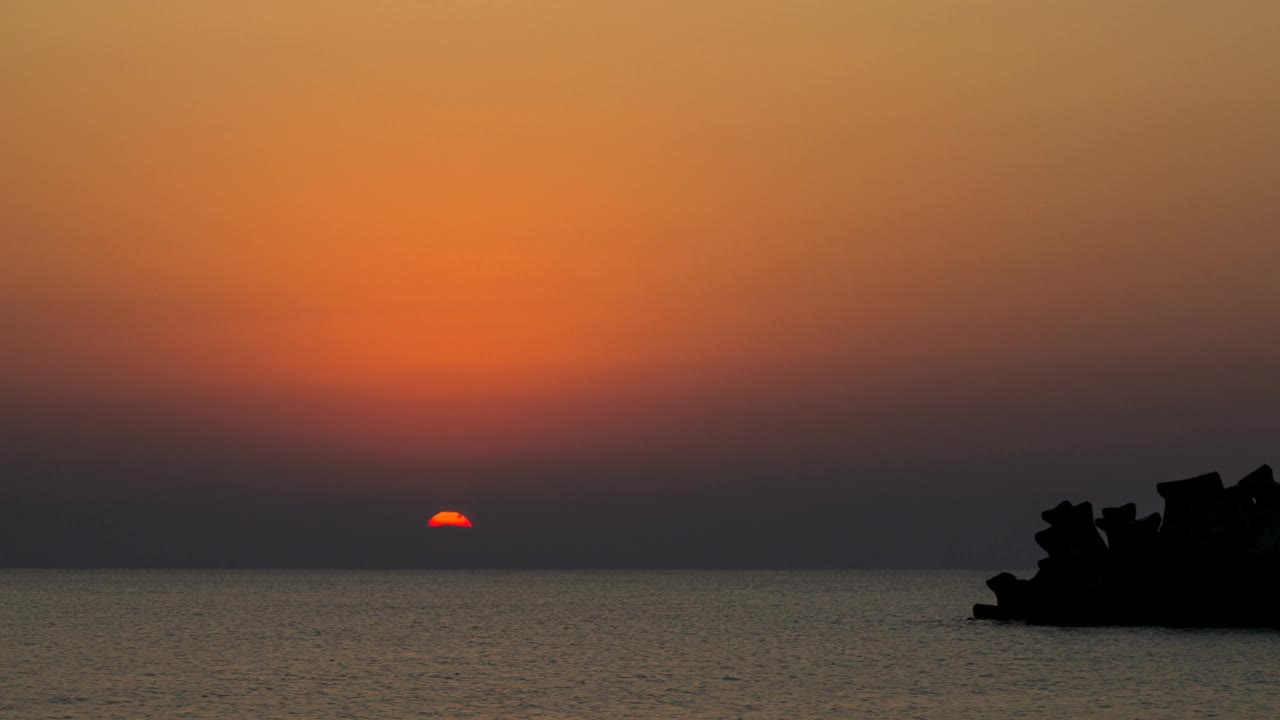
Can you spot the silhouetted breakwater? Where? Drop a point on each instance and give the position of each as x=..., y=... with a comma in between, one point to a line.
x=1214, y=560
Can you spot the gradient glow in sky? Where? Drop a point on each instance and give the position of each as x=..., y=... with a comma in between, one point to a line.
x=500, y=232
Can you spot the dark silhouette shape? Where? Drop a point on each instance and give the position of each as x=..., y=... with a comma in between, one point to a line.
x=1213, y=561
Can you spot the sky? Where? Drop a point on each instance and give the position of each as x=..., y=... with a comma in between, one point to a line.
x=696, y=283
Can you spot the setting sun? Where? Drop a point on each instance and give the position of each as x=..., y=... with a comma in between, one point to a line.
x=449, y=518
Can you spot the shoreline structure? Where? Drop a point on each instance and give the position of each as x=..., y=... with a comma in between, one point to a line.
x=1212, y=560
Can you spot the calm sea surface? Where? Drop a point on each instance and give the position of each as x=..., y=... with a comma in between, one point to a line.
x=277, y=644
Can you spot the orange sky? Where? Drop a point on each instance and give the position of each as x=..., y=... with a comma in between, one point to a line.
x=506, y=227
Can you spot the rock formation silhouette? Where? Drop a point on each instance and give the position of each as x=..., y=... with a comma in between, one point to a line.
x=1214, y=560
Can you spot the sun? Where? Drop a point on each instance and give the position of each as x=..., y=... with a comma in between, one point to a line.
x=449, y=518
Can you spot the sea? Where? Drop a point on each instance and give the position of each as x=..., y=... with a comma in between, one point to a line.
x=592, y=644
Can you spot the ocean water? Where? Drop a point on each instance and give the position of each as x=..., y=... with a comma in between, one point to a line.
x=281, y=644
